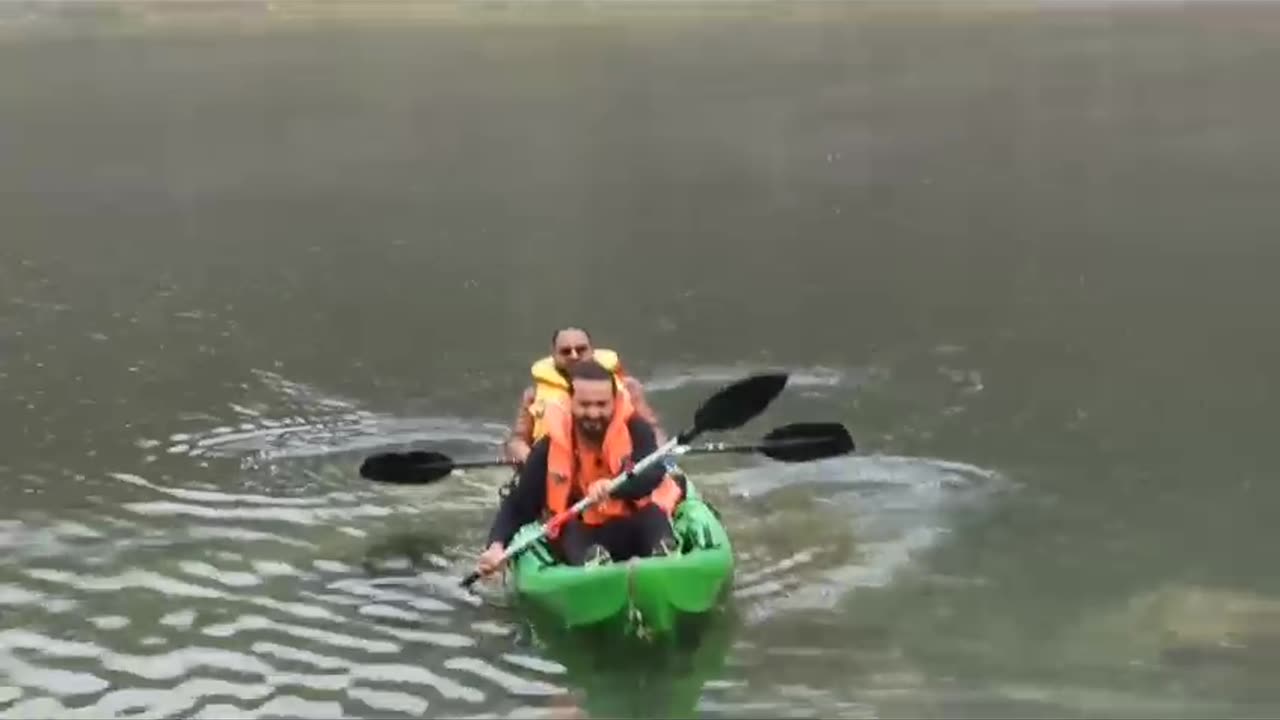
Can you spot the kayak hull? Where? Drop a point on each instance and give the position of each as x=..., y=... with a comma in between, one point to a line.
x=647, y=596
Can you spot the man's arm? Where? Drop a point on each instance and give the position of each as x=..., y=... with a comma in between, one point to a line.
x=643, y=443
x=521, y=438
x=643, y=409
x=524, y=503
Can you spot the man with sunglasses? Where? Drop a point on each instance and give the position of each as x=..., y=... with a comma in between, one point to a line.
x=569, y=346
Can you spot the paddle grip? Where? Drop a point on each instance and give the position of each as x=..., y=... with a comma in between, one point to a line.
x=554, y=524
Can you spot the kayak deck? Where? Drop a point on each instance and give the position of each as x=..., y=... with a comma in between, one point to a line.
x=643, y=595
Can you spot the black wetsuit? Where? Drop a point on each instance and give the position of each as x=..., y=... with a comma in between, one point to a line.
x=637, y=534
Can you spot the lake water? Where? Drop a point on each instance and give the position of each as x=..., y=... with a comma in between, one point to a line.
x=1027, y=255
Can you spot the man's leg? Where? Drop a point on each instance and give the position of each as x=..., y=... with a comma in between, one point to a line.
x=653, y=532
x=578, y=542
x=640, y=534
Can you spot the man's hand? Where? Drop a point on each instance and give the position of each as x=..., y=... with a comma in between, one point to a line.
x=521, y=437
x=517, y=451
x=491, y=559
x=598, y=491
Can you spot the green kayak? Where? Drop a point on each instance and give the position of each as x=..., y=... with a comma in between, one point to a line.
x=646, y=596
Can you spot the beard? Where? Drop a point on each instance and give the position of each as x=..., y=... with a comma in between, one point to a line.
x=592, y=429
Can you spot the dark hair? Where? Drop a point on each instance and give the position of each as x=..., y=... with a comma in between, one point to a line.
x=556, y=334
x=590, y=370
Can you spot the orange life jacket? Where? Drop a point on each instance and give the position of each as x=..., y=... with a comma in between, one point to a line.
x=572, y=466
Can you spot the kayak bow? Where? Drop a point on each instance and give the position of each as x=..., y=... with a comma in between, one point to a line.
x=643, y=595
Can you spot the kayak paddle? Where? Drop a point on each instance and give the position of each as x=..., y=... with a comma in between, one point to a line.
x=731, y=407
x=798, y=442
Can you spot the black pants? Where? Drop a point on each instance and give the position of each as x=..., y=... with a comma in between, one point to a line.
x=635, y=535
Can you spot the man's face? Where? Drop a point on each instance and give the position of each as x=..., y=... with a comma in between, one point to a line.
x=571, y=346
x=592, y=407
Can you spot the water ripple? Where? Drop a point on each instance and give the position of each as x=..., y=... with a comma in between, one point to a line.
x=54, y=681
x=143, y=579
x=877, y=514
x=282, y=706
x=210, y=496
x=513, y=684
x=310, y=516
x=414, y=675
x=224, y=599
x=328, y=637
x=667, y=380
x=450, y=640
x=536, y=664
x=389, y=700
x=17, y=595
x=225, y=577
x=369, y=590
x=268, y=440
x=240, y=534
x=292, y=654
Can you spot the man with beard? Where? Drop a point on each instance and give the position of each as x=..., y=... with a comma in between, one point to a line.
x=550, y=385
x=597, y=437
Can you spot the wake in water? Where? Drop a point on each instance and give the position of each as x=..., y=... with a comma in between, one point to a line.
x=882, y=510
x=326, y=425
x=246, y=605
x=291, y=587
x=852, y=522
x=265, y=590
x=323, y=425
x=810, y=533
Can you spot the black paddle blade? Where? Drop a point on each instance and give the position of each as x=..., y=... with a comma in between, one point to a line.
x=412, y=468
x=802, y=442
x=737, y=403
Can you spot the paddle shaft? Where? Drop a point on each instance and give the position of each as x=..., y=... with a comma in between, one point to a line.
x=714, y=448
x=704, y=449
x=561, y=518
